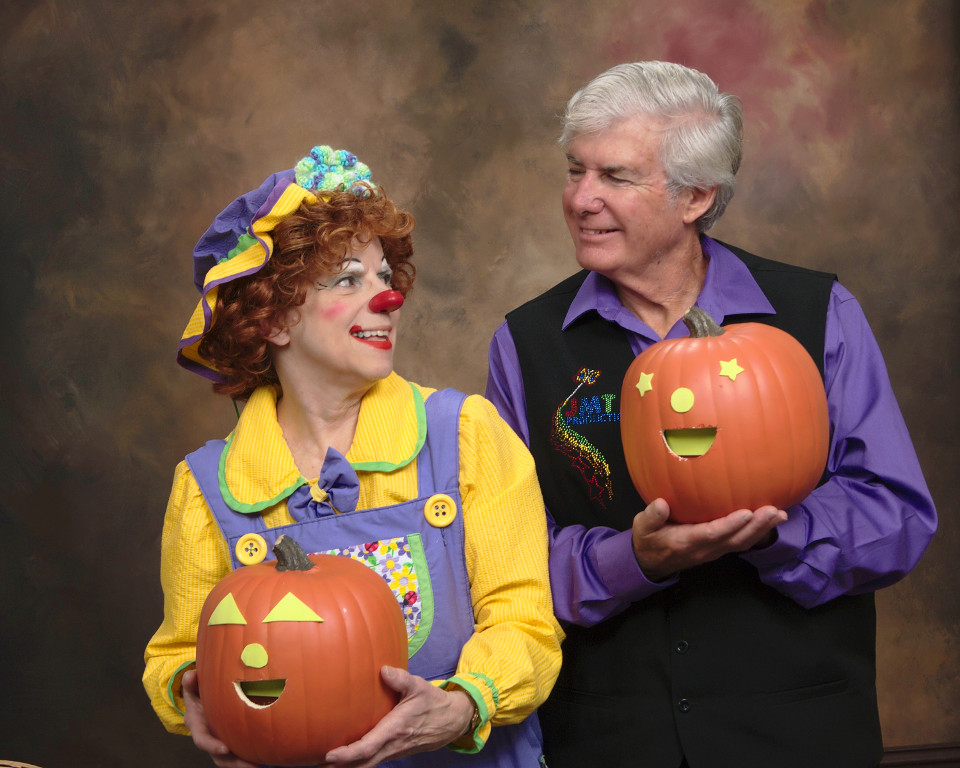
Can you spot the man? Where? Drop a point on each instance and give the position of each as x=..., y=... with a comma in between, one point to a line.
x=750, y=640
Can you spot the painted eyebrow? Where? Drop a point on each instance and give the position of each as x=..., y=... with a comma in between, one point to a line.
x=349, y=264
x=347, y=267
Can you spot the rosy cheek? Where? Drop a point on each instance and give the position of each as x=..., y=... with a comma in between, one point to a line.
x=335, y=311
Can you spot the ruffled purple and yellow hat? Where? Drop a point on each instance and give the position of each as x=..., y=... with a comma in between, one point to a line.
x=238, y=243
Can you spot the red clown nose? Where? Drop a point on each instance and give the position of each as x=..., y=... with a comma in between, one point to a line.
x=386, y=301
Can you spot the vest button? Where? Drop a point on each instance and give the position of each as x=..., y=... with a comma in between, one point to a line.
x=683, y=646
x=683, y=705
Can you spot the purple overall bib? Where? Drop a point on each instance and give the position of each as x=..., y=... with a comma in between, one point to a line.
x=429, y=574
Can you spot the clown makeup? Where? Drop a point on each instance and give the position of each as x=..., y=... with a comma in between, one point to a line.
x=350, y=276
x=340, y=336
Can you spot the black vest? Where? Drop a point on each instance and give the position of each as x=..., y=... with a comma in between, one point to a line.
x=719, y=668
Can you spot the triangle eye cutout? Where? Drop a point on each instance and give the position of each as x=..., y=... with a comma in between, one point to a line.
x=291, y=608
x=226, y=612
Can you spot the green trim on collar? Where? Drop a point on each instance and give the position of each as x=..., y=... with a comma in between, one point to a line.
x=239, y=506
x=386, y=466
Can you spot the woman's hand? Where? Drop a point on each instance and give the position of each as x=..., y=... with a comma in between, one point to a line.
x=195, y=719
x=425, y=718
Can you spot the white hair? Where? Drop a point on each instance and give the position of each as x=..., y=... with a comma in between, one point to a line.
x=702, y=141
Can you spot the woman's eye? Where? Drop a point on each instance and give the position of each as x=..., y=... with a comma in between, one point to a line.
x=346, y=281
x=385, y=276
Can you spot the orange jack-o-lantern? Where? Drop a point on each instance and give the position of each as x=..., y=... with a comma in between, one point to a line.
x=725, y=419
x=289, y=654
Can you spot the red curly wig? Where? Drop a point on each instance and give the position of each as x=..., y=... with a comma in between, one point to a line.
x=308, y=243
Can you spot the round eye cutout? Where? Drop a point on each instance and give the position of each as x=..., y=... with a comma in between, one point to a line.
x=681, y=400
x=386, y=301
x=254, y=656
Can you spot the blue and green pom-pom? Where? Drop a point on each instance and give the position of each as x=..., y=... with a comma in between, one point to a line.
x=329, y=170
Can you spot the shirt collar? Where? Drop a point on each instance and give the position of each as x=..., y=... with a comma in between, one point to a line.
x=257, y=469
x=391, y=429
x=728, y=289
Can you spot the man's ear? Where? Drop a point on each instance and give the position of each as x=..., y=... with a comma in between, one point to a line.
x=698, y=203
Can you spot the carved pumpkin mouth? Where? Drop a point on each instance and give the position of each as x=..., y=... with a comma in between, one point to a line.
x=260, y=694
x=689, y=443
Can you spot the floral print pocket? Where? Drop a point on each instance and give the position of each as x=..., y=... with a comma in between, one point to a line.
x=403, y=566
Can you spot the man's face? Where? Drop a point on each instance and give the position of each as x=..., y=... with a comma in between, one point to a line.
x=622, y=219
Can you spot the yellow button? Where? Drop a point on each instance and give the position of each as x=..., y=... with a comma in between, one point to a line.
x=251, y=549
x=440, y=510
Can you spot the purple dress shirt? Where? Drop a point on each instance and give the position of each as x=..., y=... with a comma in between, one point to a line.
x=865, y=528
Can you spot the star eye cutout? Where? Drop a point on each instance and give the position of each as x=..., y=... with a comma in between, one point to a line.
x=645, y=383
x=226, y=612
x=291, y=608
x=730, y=369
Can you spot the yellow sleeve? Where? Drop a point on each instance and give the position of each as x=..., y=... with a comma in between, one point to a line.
x=193, y=559
x=513, y=658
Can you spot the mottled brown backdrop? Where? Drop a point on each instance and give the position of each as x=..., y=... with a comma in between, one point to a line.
x=125, y=127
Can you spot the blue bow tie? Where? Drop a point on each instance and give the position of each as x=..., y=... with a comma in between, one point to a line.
x=337, y=490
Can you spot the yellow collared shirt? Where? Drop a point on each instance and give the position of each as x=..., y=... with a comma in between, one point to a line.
x=516, y=645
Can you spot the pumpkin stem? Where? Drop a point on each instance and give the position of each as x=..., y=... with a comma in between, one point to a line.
x=290, y=555
x=701, y=324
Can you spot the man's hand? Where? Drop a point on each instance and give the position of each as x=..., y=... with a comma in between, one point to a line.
x=195, y=719
x=663, y=548
x=426, y=718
